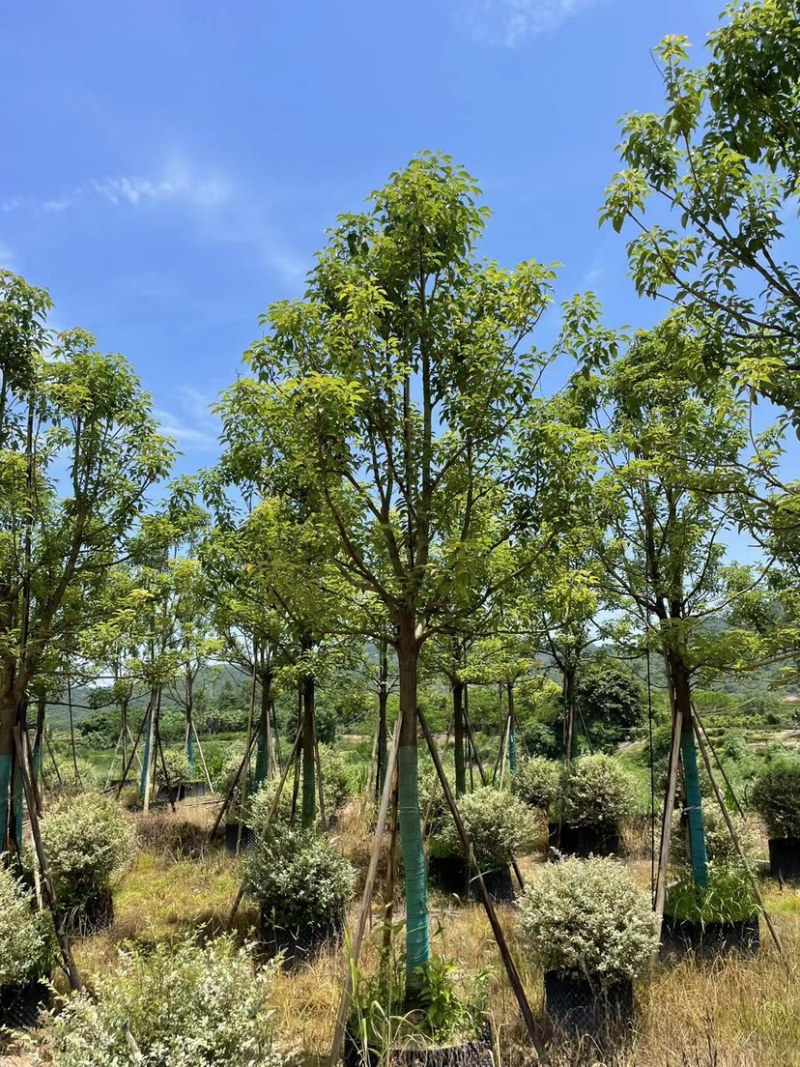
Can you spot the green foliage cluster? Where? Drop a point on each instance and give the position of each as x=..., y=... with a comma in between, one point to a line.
x=536, y=782
x=499, y=825
x=300, y=880
x=776, y=797
x=87, y=843
x=26, y=936
x=594, y=791
x=719, y=843
x=168, y=1005
x=173, y=769
x=611, y=701
x=589, y=918
x=337, y=778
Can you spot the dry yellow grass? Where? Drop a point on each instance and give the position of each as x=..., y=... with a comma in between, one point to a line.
x=735, y=1013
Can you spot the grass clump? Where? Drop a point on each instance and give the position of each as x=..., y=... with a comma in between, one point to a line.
x=728, y=897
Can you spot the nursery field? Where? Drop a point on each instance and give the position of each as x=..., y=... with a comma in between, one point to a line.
x=419, y=687
x=728, y=1013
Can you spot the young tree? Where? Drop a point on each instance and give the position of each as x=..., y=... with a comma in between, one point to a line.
x=79, y=449
x=671, y=439
x=724, y=159
x=391, y=393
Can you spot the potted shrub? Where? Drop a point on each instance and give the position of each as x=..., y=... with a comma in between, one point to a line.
x=500, y=827
x=88, y=843
x=535, y=781
x=172, y=774
x=715, y=919
x=337, y=782
x=594, y=796
x=302, y=885
x=180, y=1003
x=776, y=798
x=26, y=954
x=592, y=931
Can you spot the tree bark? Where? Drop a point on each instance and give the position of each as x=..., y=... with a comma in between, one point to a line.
x=309, y=769
x=189, y=723
x=417, y=915
x=682, y=696
x=383, y=701
x=264, y=744
x=512, y=729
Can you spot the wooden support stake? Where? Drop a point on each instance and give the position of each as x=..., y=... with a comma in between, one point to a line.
x=366, y=900
x=231, y=791
x=505, y=954
x=666, y=821
x=273, y=808
x=388, y=907
x=735, y=837
x=47, y=881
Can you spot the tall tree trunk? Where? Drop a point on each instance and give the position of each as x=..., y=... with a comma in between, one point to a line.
x=189, y=724
x=309, y=810
x=264, y=741
x=512, y=729
x=417, y=915
x=458, y=736
x=147, y=755
x=682, y=697
x=383, y=701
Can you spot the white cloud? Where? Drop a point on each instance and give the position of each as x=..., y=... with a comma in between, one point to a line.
x=13, y=203
x=178, y=182
x=196, y=436
x=511, y=23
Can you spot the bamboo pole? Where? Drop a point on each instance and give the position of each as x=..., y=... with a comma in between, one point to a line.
x=735, y=837
x=273, y=808
x=47, y=881
x=202, y=758
x=366, y=898
x=505, y=954
x=129, y=764
x=391, y=863
x=666, y=819
x=231, y=791
x=717, y=760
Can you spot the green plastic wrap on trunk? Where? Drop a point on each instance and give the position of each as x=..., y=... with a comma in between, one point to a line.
x=190, y=753
x=691, y=782
x=418, y=946
x=5, y=791
x=512, y=749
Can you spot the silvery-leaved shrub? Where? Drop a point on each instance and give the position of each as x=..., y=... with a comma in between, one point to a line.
x=588, y=918
x=73, y=777
x=594, y=791
x=87, y=842
x=300, y=879
x=260, y=805
x=535, y=781
x=499, y=826
x=776, y=797
x=173, y=769
x=175, y=1005
x=26, y=936
x=337, y=779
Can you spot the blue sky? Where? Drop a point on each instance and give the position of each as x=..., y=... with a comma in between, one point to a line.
x=169, y=166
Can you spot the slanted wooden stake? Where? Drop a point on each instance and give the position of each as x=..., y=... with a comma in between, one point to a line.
x=666, y=822
x=735, y=837
x=231, y=791
x=505, y=954
x=47, y=881
x=366, y=900
x=273, y=809
x=388, y=907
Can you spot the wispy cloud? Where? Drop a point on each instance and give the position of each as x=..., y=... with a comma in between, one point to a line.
x=8, y=258
x=190, y=421
x=178, y=182
x=510, y=23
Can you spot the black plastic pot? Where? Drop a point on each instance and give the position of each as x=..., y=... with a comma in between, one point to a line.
x=20, y=1004
x=475, y=1053
x=451, y=874
x=173, y=793
x=784, y=858
x=232, y=836
x=585, y=841
x=683, y=936
x=581, y=1008
x=297, y=945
